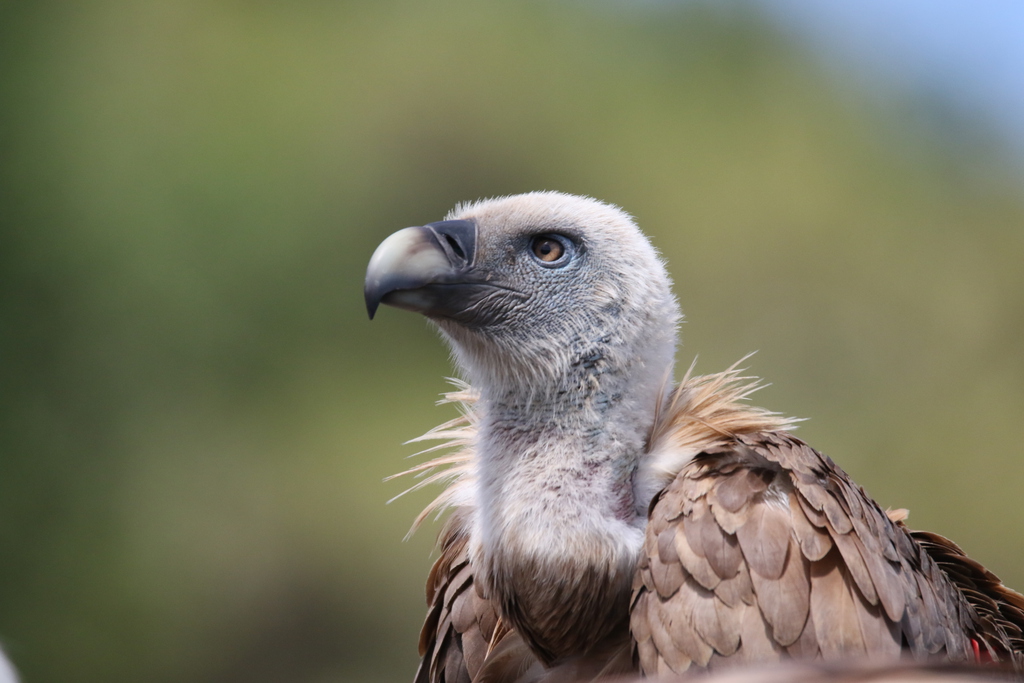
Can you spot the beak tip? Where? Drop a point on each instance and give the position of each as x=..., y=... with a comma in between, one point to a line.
x=371, y=305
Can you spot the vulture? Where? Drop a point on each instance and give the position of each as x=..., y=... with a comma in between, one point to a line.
x=606, y=521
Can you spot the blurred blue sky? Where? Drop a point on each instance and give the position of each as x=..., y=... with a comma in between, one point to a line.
x=961, y=54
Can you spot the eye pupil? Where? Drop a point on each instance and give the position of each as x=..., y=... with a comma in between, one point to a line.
x=547, y=249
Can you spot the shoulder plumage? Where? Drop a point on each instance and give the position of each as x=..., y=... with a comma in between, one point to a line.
x=702, y=412
x=781, y=555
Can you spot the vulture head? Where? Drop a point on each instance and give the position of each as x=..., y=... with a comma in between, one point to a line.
x=560, y=313
x=530, y=289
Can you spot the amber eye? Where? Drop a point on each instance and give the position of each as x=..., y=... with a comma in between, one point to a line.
x=547, y=248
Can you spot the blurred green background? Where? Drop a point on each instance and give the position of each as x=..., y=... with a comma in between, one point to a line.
x=195, y=414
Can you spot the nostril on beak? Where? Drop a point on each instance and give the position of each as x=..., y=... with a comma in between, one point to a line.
x=458, y=239
x=455, y=247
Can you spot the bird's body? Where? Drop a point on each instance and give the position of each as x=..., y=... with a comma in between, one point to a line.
x=607, y=522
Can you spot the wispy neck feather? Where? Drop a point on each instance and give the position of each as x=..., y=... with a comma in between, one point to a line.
x=700, y=413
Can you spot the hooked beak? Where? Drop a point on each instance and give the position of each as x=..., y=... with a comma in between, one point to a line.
x=427, y=269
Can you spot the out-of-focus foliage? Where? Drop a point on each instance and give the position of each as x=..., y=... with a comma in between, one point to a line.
x=195, y=415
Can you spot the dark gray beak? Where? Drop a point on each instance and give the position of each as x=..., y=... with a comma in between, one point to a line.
x=426, y=269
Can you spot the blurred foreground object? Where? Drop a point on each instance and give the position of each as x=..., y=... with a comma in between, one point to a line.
x=7, y=672
x=846, y=672
x=603, y=519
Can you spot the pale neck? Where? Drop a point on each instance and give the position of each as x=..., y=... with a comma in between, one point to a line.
x=557, y=466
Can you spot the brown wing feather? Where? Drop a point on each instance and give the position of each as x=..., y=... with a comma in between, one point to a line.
x=463, y=639
x=1000, y=610
x=765, y=538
